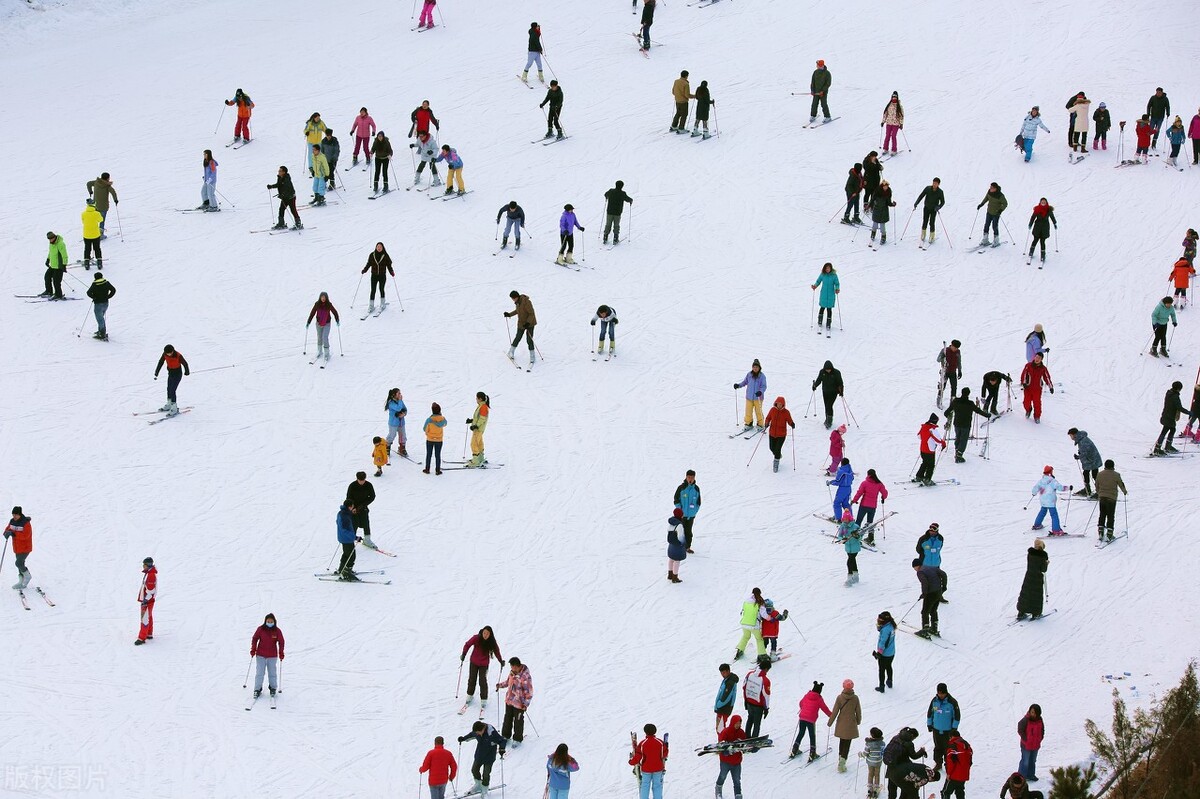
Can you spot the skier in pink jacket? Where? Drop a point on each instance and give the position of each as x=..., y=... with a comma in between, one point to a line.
x=871, y=493
x=837, y=449
x=811, y=707
x=363, y=130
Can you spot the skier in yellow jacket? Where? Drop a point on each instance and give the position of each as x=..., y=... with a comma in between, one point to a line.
x=92, y=220
x=478, y=424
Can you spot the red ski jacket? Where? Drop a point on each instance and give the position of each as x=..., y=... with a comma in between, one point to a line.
x=651, y=754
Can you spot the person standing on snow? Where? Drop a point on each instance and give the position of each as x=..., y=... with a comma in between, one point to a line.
x=1031, y=730
x=208, y=190
x=847, y=715
x=346, y=537
x=1181, y=273
x=1088, y=457
x=287, y=199
x=929, y=550
x=363, y=130
x=731, y=761
x=426, y=18
x=853, y=188
x=779, y=419
x=483, y=647
x=177, y=369
x=1046, y=490
x=681, y=91
x=325, y=312
x=454, y=166
x=360, y=493
x=752, y=612
x=554, y=97
x=1103, y=122
x=1035, y=344
x=676, y=546
x=704, y=102
x=320, y=172
x=517, y=697
x=514, y=220
x=649, y=758
x=567, y=223
x=478, y=423
x=811, y=706
x=929, y=441
x=422, y=117
x=56, y=265
x=756, y=692
x=871, y=493
x=1194, y=135
x=615, y=199
x=726, y=696
x=872, y=175
x=1033, y=587
x=146, y=596
x=397, y=411
x=380, y=265
x=646, y=21
x=266, y=647
x=837, y=449
x=885, y=649
x=893, y=122
x=331, y=148
x=487, y=741
x=990, y=391
x=950, y=357
x=381, y=148
x=1033, y=376
x=942, y=720
x=931, y=578
x=100, y=292
x=1107, y=483
x=535, y=52
x=440, y=766
x=830, y=287
x=880, y=205
x=958, y=767
x=1158, y=108
x=20, y=530
x=1029, y=129
x=100, y=190
x=1172, y=407
x=1176, y=134
x=844, y=480
x=1081, y=108
x=435, y=430
x=756, y=388
x=832, y=387
x=847, y=535
x=818, y=86
x=526, y=321
x=934, y=199
x=1163, y=312
x=962, y=412
x=607, y=317
x=426, y=149
x=314, y=131
x=241, y=129
x=996, y=203
x=1039, y=225
x=687, y=499
x=91, y=235
x=1145, y=130
x=559, y=766
x=770, y=626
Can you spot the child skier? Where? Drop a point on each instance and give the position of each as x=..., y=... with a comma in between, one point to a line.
x=873, y=753
x=844, y=480
x=1103, y=122
x=1163, y=312
x=893, y=122
x=1144, y=131
x=1193, y=415
x=454, y=167
x=779, y=418
x=1033, y=376
x=837, y=448
x=676, y=545
x=20, y=530
x=331, y=148
x=848, y=534
x=1046, y=490
x=397, y=411
x=855, y=182
x=811, y=706
x=929, y=444
x=567, y=223
x=770, y=626
x=320, y=172
x=1182, y=273
x=1176, y=134
x=478, y=423
x=607, y=316
x=756, y=387
x=830, y=287
x=379, y=454
x=704, y=102
x=1039, y=225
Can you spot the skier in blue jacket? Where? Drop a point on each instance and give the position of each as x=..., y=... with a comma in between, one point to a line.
x=844, y=480
x=885, y=648
x=687, y=499
x=1029, y=129
x=346, y=537
x=830, y=288
x=726, y=696
x=487, y=740
x=397, y=412
x=943, y=718
x=756, y=388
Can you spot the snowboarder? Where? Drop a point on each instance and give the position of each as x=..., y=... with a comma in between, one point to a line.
x=208, y=189
x=704, y=103
x=397, y=411
x=1103, y=122
x=379, y=455
x=487, y=741
x=872, y=175
x=325, y=312
x=360, y=493
x=1088, y=457
x=931, y=578
x=811, y=706
x=314, y=131
x=426, y=18
x=435, y=428
x=20, y=530
x=1163, y=312
x=837, y=448
x=454, y=167
x=934, y=199
x=853, y=188
x=990, y=391
x=1046, y=490
x=1029, y=129
x=519, y=694
x=1035, y=344
x=1181, y=274
x=756, y=691
x=830, y=381
x=478, y=423
x=756, y=388
x=266, y=647
x=893, y=122
x=1081, y=108
x=438, y=763
x=91, y=235
x=687, y=499
x=818, y=86
x=726, y=696
x=1158, y=108
x=1039, y=225
x=100, y=190
x=844, y=480
x=649, y=757
x=422, y=117
x=830, y=287
x=554, y=97
x=100, y=292
x=873, y=754
x=526, y=321
x=961, y=413
x=996, y=202
x=676, y=546
x=56, y=265
x=1145, y=130
x=731, y=761
x=514, y=220
x=567, y=223
x=241, y=129
x=426, y=150
x=1172, y=407
x=146, y=595
x=681, y=91
x=870, y=495
x=380, y=265
x=752, y=610
x=483, y=647
x=1107, y=483
x=646, y=21
x=847, y=715
x=847, y=534
x=779, y=418
x=929, y=441
x=881, y=202
x=287, y=199
x=331, y=148
x=1030, y=729
x=535, y=52
x=770, y=626
x=885, y=650
x=958, y=767
x=1033, y=376
x=559, y=766
x=363, y=130
x=615, y=199
x=320, y=172
x=177, y=369
x=381, y=148
x=607, y=317
x=1033, y=586
x=942, y=720
x=950, y=358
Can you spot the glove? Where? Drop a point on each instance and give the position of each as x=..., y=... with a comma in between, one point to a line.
x=814, y=386
x=281, y=656
x=875, y=654
x=251, y=653
x=460, y=660
x=1076, y=457
x=766, y=712
x=474, y=427
x=1174, y=324
x=1051, y=389
x=881, y=124
x=468, y=421
x=582, y=228
x=307, y=325
x=931, y=730
x=922, y=752
x=960, y=374
x=461, y=738
x=758, y=395
x=593, y=323
x=501, y=754
x=735, y=385
x=411, y=146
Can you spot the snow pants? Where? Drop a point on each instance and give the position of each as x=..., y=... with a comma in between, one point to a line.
x=54, y=282
x=288, y=205
x=734, y=771
x=865, y=515
x=514, y=723
x=527, y=332
x=266, y=666
x=319, y=186
x=954, y=788
x=961, y=436
x=349, y=555
x=994, y=222
x=1053, y=511
x=929, y=218
x=552, y=120
x=825, y=315
x=1167, y=434
x=754, y=411
x=851, y=206
x=365, y=143
x=810, y=728
x=476, y=442
x=823, y=101
x=776, y=444
x=889, y=135
x=426, y=15
x=756, y=632
x=100, y=309
x=829, y=400
x=927, y=464
x=90, y=245
x=208, y=194
x=688, y=521
x=1033, y=402
x=566, y=243
x=147, y=627
x=852, y=563
x=929, y=613
x=437, y=791
x=381, y=165
x=323, y=337
x=174, y=376
x=1028, y=149
x=379, y=281
x=454, y=174
x=990, y=398
x=1160, y=336
x=242, y=128
x=512, y=224
x=679, y=121
x=534, y=58
x=612, y=222
x=885, y=669
x=1108, y=512
x=651, y=782
x=477, y=674
x=754, y=716
x=397, y=431
x=841, y=503
x=940, y=741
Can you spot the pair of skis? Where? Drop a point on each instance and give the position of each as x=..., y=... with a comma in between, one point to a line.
x=986, y=247
x=748, y=432
x=161, y=419
x=748, y=745
x=372, y=312
x=811, y=758
x=820, y=122
x=1017, y=621
x=41, y=593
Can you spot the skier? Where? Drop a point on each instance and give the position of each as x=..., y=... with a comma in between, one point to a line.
x=440, y=765
x=779, y=418
x=287, y=199
x=830, y=287
x=811, y=706
x=872, y=174
x=871, y=493
x=146, y=596
x=20, y=530
x=422, y=117
x=314, y=131
x=942, y=720
x=91, y=235
x=830, y=381
x=1088, y=457
x=567, y=223
x=881, y=202
x=426, y=19
x=847, y=534
x=426, y=148
x=615, y=199
x=847, y=715
x=535, y=52
x=381, y=148
x=379, y=455
x=649, y=757
x=676, y=546
x=1103, y=122
x=950, y=358
x=1035, y=344
x=514, y=220
x=1158, y=108
x=929, y=439
x=454, y=167
x=1163, y=312
x=687, y=499
x=681, y=91
x=853, y=188
x=893, y=121
x=1172, y=407
x=607, y=317
x=478, y=423
x=1194, y=135
x=487, y=741
x=752, y=610
x=731, y=761
x=844, y=480
x=208, y=189
x=100, y=292
x=996, y=203
x=704, y=102
x=958, y=767
x=266, y=647
x=526, y=321
x=1189, y=245
x=360, y=493
x=324, y=311
x=756, y=388
x=1080, y=107
x=554, y=96
x=837, y=448
x=647, y=21
x=363, y=130
x=1017, y=788
x=931, y=578
x=1033, y=376
x=396, y=411
x=818, y=86
x=961, y=413
x=929, y=550
x=1033, y=586
x=1181, y=274
x=1070, y=106
x=483, y=646
x=558, y=773
x=320, y=172
x=434, y=427
x=726, y=695
x=1046, y=490
x=241, y=129
x=1193, y=415
x=1145, y=130
x=934, y=199
x=1029, y=129
x=1107, y=483
x=990, y=391
x=885, y=650
x=100, y=190
x=380, y=265
x=1176, y=134
x=177, y=369
x=56, y=265
x=873, y=754
x=756, y=691
x=519, y=694
x=331, y=148
x=770, y=627
x=1039, y=224
x=1030, y=729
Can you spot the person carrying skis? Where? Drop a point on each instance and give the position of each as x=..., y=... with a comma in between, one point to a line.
x=649, y=758
x=929, y=441
x=1172, y=407
x=676, y=546
x=100, y=292
x=454, y=167
x=208, y=189
x=893, y=122
x=687, y=499
x=478, y=423
x=818, y=87
x=177, y=369
x=241, y=129
x=487, y=741
x=752, y=611
x=811, y=707
x=1039, y=225
x=1046, y=490
x=363, y=130
x=615, y=199
x=847, y=535
x=56, y=265
x=514, y=220
x=266, y=647
x=426, y=18
x=756, y=388
x=871, y=493
x=756, y=692
x=726, y=696
x=731, y=760
x=1108, y=481
x=1145, y=130
x=646, y=21
x=853, y=188
x=435, y=428
x=770, y=626
x=526, y=321
x=931, y=578
x=847, y=715
x=844, y=480
x=1176, y=134
x=517, y=697
x=20, y=530
x=950, y=357
x=996, y=203
x=1035, y=344
x=320, y=172
x=830, y=287
x=360, y=493
x=1088, y=457
x=1029, y=129
x=872, y=175
x=779, y=418
x=1033, y=586
x=146, y=596
x=830, y=381
x=554, y=97
x=1103, y=122
x=837, y=449
x=1181, y=274
x=934, y=199
x=396, y=411
x=958, y=767
x=885, y=649
x=331, y=149
x=100, y=190
x=681, y=91
x=380, y=265
x=91, y=235
x=314, y=131
x=381, y=148
x=483, y=647
x=1081, y=108
x=942, y=719
x=559, y=766
x=287, y=199
x=607, y=317
x=873, y=754
x=426, y=149
x=567, y=223
x=1033, y=376
x=704, y=102
x=1163, y=312
x=1158, y=108
x=880, y=205
x=440, y=766
x=961, y=413
x=324, y=312
x=990, y=391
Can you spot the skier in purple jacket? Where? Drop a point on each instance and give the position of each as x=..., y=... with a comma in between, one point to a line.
x=567, y=223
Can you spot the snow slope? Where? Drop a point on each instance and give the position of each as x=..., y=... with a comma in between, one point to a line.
x=562, y=550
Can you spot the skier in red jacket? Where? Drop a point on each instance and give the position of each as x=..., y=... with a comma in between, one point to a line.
x=958, y=767
x=929, y=440
x=779, y=418
x=649, y=757
x=1033, y=376
x=731, y=762
x=20, y=530
x=441, y=767
x=146, y=595
x=1144, y=131
x=266, y=647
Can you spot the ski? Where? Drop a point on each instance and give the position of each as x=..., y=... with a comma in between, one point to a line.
x=528, y=85
x=760, y=741
x=1170, y=455
x=1113, y=540
x=775, y=658
x=820, y=123
x=53, y=299
x=379, y=194
x=148, y=413
x=172, y=416
x=42, y=594
x=455, y=195
x=513, y=361
x=473, y=792
x=825, y=518
x=1032, y=618
x=314, y=205
x=341, y=580
x=383, y=552
x=473, y=468
x=638, y=36
x=463, y=709
x=863, y=544
x=566, y=266
x=272, y=706
x=708, y=3
x=951, y=481
x=24, y=601
x=933, y=639
x=555, y=140
x=742, y=432
x=809, y=761
x=1074, y=159
x=1061, y=535
x=274, y=231
x=253, y=700
x=334, y=574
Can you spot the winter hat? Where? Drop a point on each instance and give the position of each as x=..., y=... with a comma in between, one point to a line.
x=90, y=201
x=1048, y=470
x=678, y=514
x=858, y=167
x=841, y=428
x=513, y=294
x=769, y=604
x=17, y=510
x=847, y=685
x=820, y=63
x=620, y=184
x=933, y=418
x=876, y=732
x=437, y=409
x=896, y=95
x=568, y=207
x=147, y=561
x=1081, y=94
x=941, y=688
x=1102, y=105
x=933, y=526
x=847, y=516
x=916, y=564
x=380, y=133
x=99, y=276
x=818, y=687
x=756, y=363
x=1177, y=386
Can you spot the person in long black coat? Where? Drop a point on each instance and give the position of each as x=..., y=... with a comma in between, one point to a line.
x=1033, y=587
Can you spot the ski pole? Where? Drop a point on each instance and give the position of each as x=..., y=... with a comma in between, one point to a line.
x=838, y=211
x=910, y=216
x=341, y=351
x=849, y=412
x=414, y=10
x=217, y=128
x=356, y=288
x=270, y=203
x=547, y=60
x=1125, y=500
x=306, y=339
x=910, y=608
x=336, y=550
x=508, y=327
x=1147, y=344
x=246, y=680
x=592, y=346
x=812, y=309
x=735, y=406
x=839, y=309
x=1009, y=232
x=947, y=232
x=1056, y=238
x=539, y=352
x=583, y=248
x=83, y=324
x=973, y=221
x=466, y=433
x=443, y=19
x=906, y=147
x=811, y=397
x=793, y=451
x=1030, y=230
x=279, y=677
x=801, y=634
x=120, y=231
x=458, y=685
x=532, y=726
x=218, y=191
x=881, y=137
x=752, y=454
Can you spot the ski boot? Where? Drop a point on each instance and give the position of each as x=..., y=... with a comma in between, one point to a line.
x=437, y=181
x=173, y=410
x=696, y=130
x=382, y=303
x=923, y=633
x=518, y=245
x=841, y=765
x=1157, y=451
x=449, y=190
x=984, y=242
x=570, y=258
x=882, y=239
x=298, y=226
x=371, y=307
x=532, y=357
x=958, y=458
x=272, y=690
x=612, y=348
x=1108, y=534
x=379, y=472
x=561, y=261
x=932, y=236
x=600, y=349
x=504, y=243
x=1170, y=448
x=857, y=220
x=812, y=755
x=257, y=693
x=812, y=120
x=934, y=632
x=706, y=135
x=775, y=465
x=512, y=353
x=278, y=226
x=922, y=235
x=737, y=655
x=828, y=422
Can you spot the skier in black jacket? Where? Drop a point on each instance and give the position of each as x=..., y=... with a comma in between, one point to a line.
x=872, y=175
x=960, y=412
x=554, y=96
x=830, y=381
x=535, y=52
x=615, y=199
x=359, y=495
x=514, y=218
x=100, y=292
x=1158, y=107
x=647, y=21
x=1172, y=407
x=287, y=198
x=934, y=200
x=487, y=740
x=854, y=187
x=991, y=391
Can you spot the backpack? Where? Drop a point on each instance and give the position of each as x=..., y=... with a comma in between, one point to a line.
x=893, y=751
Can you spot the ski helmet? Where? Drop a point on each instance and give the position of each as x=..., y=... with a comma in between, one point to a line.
x=1048, y=470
